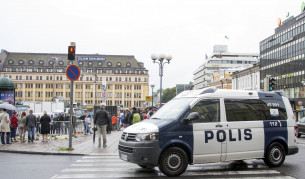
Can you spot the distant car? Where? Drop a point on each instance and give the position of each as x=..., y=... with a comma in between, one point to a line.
x=300, y=127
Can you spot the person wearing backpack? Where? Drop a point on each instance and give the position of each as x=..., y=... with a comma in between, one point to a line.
x=136, y=116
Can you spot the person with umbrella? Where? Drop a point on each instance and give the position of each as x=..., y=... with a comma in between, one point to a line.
x=100, y=121
x=5, y=127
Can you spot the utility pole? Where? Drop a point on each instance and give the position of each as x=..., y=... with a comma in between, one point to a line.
x=71, y=56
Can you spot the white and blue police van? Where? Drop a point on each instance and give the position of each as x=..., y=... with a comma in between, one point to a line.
x=212, y=125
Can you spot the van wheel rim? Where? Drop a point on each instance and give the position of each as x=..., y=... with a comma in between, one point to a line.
x=173, y=162
x=276, y=155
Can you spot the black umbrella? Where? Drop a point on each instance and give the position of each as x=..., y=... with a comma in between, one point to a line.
x=94, y=131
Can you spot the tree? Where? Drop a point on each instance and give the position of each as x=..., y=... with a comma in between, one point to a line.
x=168, y=94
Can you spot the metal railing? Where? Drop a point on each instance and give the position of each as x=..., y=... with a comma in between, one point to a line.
x=62, y=127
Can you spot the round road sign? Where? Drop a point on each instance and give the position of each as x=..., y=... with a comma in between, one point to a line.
x=73, y=72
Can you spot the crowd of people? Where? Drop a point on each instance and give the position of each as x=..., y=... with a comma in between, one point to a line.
x=103, y=122
x=44, y=125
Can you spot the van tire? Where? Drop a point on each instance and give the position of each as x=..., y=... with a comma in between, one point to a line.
x=147, y=166
x=275, y=155
x=173, y=162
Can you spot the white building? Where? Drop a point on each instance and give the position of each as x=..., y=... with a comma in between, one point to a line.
x=221, y=59
x=248, y=79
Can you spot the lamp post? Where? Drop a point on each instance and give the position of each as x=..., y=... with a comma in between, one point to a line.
x=55, y=61
x=82, y=77
x=152, y=94
x=161, y=63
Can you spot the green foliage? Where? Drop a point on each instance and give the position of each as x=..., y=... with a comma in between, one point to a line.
x=64, y=149
x=168, y=94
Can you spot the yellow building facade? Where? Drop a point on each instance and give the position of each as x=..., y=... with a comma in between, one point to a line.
x=42, y=77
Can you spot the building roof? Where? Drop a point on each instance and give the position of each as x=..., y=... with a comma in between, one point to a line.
x=46, y=59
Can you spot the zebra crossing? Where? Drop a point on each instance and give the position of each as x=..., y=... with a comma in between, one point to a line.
x=111, y=166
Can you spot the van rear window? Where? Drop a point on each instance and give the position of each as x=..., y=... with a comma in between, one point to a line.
x=253, y=110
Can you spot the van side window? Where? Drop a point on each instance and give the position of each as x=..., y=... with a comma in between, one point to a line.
x=253, y=110
x=208, y=109
x=245, y=109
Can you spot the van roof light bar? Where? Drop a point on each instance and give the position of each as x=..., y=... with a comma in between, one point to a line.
x=209, y=90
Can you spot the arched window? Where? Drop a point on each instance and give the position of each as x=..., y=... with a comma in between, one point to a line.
x=128, y=64
x=109, y=64
x=21, y=62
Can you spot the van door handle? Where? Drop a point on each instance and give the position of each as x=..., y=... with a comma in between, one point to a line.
x=218, y=125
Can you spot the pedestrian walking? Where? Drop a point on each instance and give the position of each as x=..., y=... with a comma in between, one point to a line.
x=87, y=124
x=126, y=118
x=100, y=121
x=136, y=117
x=52, y=129
x=45, y=126
x=114, y=121
x=38, y=129
x=59, y=121
x=109, y=124
x=22, y=126
x=149, y=113
x=13, y=126
x=5, y=127
x=30, y=122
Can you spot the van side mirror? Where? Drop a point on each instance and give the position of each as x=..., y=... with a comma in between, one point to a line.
x=190, y=117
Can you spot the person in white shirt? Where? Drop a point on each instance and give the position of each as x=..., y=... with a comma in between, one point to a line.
x=87, y=124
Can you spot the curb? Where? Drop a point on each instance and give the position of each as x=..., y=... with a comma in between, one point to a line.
x=42, y=153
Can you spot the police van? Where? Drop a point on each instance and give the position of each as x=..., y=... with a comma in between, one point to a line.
x=212, y=125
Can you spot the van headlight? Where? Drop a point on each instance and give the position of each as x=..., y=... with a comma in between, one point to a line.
x=147, y=137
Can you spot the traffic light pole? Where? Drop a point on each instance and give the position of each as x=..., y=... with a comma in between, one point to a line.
x=71, y=104
x=71, y=114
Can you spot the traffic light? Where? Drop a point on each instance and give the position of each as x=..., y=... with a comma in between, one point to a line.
x=272, y=84
x=71, y=53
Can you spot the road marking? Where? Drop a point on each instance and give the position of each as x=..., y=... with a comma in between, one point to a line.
x=101, y=157
x=99, y=160
x=102, y=164
x=156, y=174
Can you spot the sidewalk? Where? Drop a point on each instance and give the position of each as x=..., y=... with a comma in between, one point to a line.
x=83, y=145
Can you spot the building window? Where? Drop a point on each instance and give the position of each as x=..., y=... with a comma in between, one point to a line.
x=118, y=64
x=21, y=62
x=31, y=62
x=51, y=62
x=10, y=61
x=70, y=62
x=128, y=64
x=90, y=63
x=41, y=62
x=80, y=63
x=100, y=63
x=61, y=62
x=109, y=64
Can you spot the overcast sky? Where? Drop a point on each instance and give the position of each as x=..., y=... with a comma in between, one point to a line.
x=185, y=29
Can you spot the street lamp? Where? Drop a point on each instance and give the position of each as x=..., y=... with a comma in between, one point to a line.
x=152, y=94
x=54, y=64
x=161, y=63
x=82, y=78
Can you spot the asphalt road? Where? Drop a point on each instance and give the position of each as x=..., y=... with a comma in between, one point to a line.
x=28, y=166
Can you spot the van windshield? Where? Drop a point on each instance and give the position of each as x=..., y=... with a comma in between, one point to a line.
x=173, y=109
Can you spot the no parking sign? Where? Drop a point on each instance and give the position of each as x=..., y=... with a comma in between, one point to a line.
x=73, y=72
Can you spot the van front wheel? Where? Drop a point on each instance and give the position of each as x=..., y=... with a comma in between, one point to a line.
x=173, y=162
x=275, y=155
